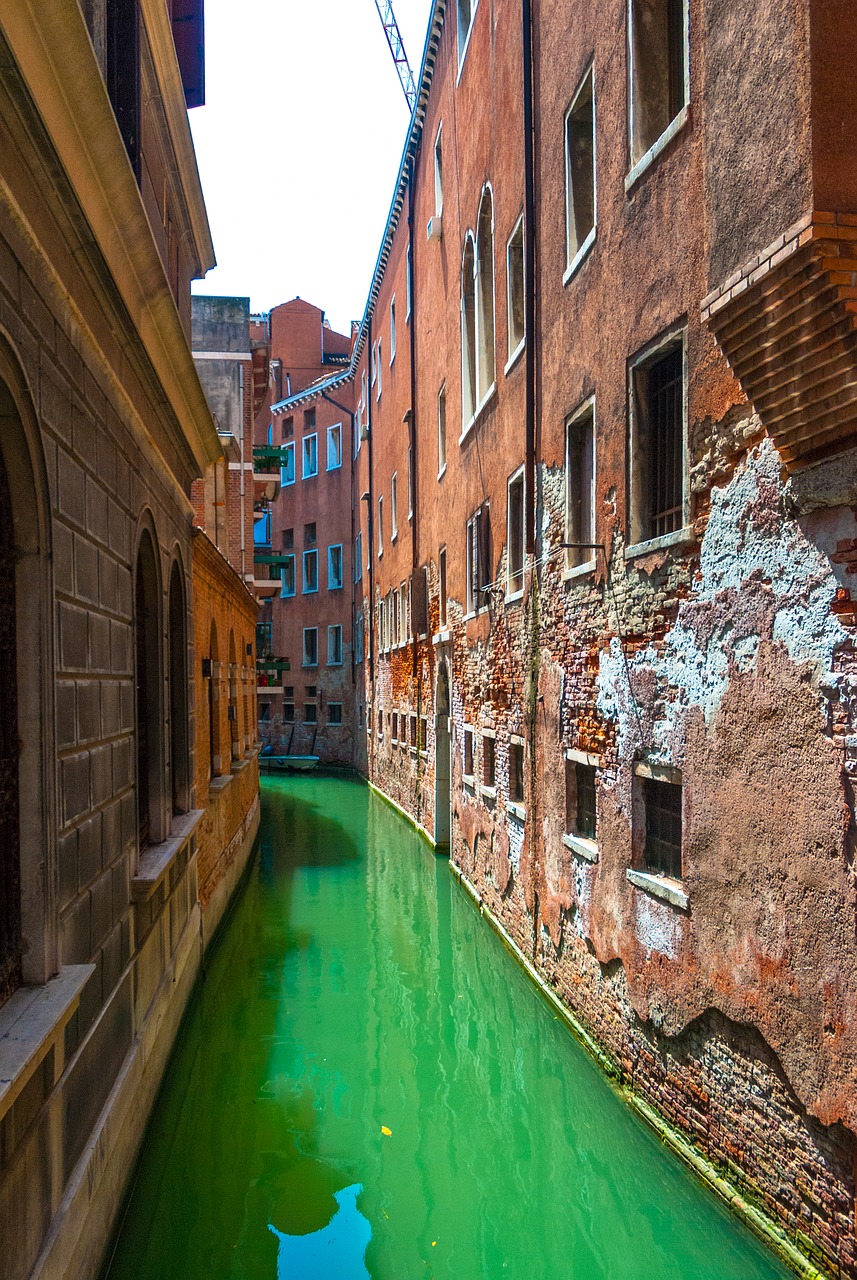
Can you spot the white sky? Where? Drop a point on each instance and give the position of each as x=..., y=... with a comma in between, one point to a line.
x=299, y=145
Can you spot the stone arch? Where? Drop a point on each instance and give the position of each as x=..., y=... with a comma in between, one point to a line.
x=179, y=700
x=232, y=694
x=214, y=752
x=152, y=826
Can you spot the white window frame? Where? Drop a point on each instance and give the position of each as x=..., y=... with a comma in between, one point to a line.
x=307, y=631
x=394, y=506
x=289, y=451
x=673, y=337
x=305, y=590
x=332, y=631
x=358, y=556
x=573, y=260
x=441, y=430
x=380, y=525
x=583, y=411
x=284, y=594
x=334, y=433
x=311, y=441
x=464, y=37
x=331, y=585
x=679, y=120
x=514, y=352
x=517, y=478
x=379, y=366
x=392, y=328
x=438, y=171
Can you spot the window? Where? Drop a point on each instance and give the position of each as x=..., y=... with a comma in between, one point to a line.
x=657, y=444
x=310, y=690
x=310, y=713
x=404, y=612
x=394, y=733
x=310, y=572
x=658, y=70
x=380, y=527
x=122, y=74
x=580, y=487
x=358, y=556
x=334, y=447
x=441, y=431
x=334, y=713
x=441, y=586
x=309, y=419
x=288, y=539
x=289, y=712
x=310, y=456
x=358, y=638
x=149, y=713
x=178, y=693
x=515, y=535
x=516, y=772
x=378, y=372
x=468, y=333
x=359, y=715
x=392, y=330
x=515, y=289
x=662, y=802
x=468, y=753
x=580, y=172
x=288, y=428
x=309, y=534
x=413, y=729
x=423, y=733
x=334, y=567
x=409, y=275
x=287, y=467
x=310, y=654
x=287, y=575
x=478, y=558
x=466, y=10
x=580, y=804
x=334, y=646
x=438, y=172
x=394, y=507
x=410, y=483
x=288, y=691
x=489, y=761
x=485, y=298
x=264, y=711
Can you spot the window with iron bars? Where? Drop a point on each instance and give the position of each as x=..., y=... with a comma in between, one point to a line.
x=662, y=802
x=478, y=559
x=658, y=461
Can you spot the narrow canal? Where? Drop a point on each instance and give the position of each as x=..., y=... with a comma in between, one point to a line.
x=367, y=1085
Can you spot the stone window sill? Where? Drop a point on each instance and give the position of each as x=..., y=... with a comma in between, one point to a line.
x=514, y=596
x=488, y=793
x=156, y=859
x=675, y=126
x=583, y=847
x=582, y=252
x=516, y=810
x=514, y=357
x=441, y=637
x=660, y=887
x=238, y=765
x=578, y=571
x=32, y=1021
x=483, y=404
x=469, y=782
x=675, y=539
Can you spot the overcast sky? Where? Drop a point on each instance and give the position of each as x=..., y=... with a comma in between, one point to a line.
x=299, y=145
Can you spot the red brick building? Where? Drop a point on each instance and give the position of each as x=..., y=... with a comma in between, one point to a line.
x=603, y=497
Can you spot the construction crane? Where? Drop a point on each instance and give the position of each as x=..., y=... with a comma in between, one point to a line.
x=397, y=48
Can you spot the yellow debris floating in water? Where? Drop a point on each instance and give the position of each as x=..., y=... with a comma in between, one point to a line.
x=388, y=1133
x=433, y=1243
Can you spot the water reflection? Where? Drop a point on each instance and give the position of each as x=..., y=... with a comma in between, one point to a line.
x=336, y=1252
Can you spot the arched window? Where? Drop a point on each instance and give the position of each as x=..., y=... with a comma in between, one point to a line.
x=468, y=332
x=245, y=682
x=235, y=745
x=10, y=812
x=485, y=298
x=213, y=703
x=147, y=633
x=179, y=770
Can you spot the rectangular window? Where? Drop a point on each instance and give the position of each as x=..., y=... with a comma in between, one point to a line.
x=380, y=527
x=310, y=456
x=392, y=330
x=515, y=289
x=441, y=431
x=394, y=507
x=287, y=464
x=309, y=534
x=310, y=572
x=438, y=172
x=358, y=639
x=516, y=772
x=409, y=274
x=334, y=646
x=580, y=172
x=658, y=70
x=580, y=804
x=441, y=585
x=288, y=539
x=515, y=536
x=413, y=729
x=657, y=444
x=580, y=487
x=662, y=802
x=378, y=378
x=334, y=447
x=310, y=691
x=310, y=713
x=310, y=653
x=334, y=713
x=489, y=761
x=423, y=733
x=358, y=556
x=309, y=419
x=410, y=483
x=288, y=428
x=334, y=567
x=468, y=753
x=264, y=711
x=288, y=575
x=466, y=10
x=404, y=613
x=395, y=729
x=478, y=559
x=359, y=715
x=288, y=712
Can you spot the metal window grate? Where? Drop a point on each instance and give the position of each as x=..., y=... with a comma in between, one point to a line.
x=663, y=827
x=665, y=418
x=585, y=816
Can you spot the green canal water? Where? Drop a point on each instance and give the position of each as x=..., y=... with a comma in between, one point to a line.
x=355, y=991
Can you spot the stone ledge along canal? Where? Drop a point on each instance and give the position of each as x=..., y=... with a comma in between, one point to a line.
x=368, y=1085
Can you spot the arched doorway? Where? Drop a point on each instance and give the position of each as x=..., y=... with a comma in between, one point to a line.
x=213, y=703
x=178, y=694
x=442, y=763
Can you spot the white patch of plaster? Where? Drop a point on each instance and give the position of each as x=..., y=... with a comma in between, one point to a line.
x=516, y=843
x=657, y=926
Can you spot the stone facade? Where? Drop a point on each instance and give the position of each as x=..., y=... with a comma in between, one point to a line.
x=614, y=675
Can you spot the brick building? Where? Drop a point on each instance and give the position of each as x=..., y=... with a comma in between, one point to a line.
x=106, y=800
x=603, y=492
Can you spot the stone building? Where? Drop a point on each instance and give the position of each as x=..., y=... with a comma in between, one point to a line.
x=105, y=428
x=604, y=488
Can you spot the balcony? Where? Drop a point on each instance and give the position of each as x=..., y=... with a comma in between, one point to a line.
x=269, y=675
x=787, y=323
